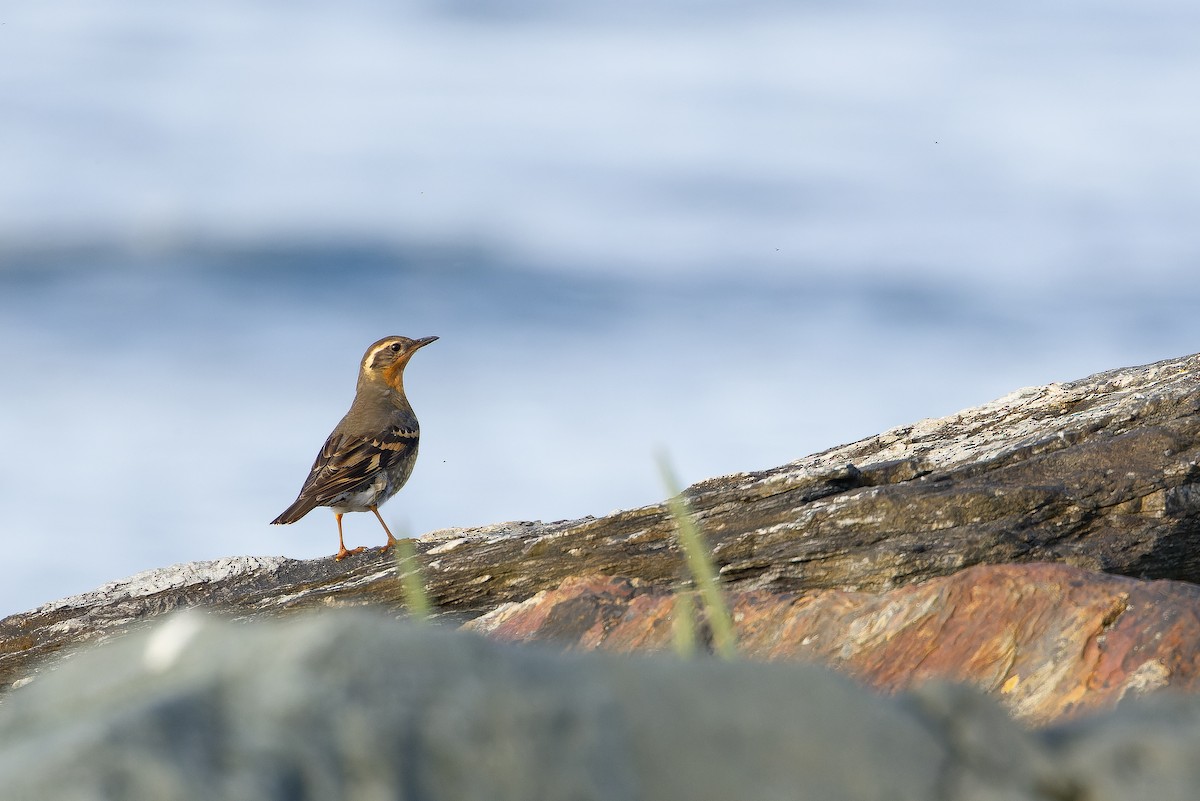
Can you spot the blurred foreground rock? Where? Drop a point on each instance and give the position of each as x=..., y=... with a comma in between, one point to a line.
x=359, y=706
x=860, y=557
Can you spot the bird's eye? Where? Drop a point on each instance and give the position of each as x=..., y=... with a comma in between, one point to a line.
x=395, y=347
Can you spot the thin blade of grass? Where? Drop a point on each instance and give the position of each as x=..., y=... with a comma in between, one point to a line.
x=415, y=598
x=700, y=565
x=683, y=625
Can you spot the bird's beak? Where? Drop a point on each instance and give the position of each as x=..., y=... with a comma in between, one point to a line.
x=423, y=341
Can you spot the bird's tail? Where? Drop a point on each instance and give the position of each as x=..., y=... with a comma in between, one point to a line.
x=297, y=510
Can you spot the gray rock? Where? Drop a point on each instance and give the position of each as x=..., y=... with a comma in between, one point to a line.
x=356, y=705
x=1149, y=748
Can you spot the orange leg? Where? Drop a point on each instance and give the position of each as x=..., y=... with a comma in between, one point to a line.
x=391, y=540
x=343, y=551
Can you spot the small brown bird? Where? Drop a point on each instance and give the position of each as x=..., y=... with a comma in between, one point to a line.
x=371, y=453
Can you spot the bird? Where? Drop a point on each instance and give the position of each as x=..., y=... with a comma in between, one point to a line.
x=371, y=452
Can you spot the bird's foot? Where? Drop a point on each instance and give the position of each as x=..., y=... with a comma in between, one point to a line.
x=387, y=546
x=344, y=552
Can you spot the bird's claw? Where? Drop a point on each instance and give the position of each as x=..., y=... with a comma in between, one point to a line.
x=344, y=552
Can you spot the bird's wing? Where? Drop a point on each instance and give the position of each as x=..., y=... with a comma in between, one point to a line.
x=347, y=462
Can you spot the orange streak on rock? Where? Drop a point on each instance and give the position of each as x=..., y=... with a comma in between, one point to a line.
x=1049, y=640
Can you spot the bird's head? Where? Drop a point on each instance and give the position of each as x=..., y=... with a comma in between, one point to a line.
x=385, y=359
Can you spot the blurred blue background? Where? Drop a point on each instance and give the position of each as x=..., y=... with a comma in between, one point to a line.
x=738, y=231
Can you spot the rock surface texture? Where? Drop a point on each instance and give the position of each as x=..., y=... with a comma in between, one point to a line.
x=1041, y=547
x=355, y=705
x=1049, y=641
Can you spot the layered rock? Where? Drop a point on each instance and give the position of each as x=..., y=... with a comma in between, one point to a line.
x=862, y=546
x=1050, y=641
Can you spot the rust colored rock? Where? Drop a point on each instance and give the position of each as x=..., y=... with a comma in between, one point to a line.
x=1050, y=641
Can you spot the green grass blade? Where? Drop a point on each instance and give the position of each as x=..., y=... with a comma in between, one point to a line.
x=683, y=625
x=700, y=565
x=411, y=580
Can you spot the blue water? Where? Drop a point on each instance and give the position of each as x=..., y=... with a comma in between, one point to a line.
x=739, y=233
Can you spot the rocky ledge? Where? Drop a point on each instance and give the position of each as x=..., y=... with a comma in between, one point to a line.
x=1039, y=547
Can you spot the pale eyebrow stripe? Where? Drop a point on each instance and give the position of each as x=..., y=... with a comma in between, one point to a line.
x=373, y=352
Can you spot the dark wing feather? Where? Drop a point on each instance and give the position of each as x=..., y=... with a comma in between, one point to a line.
x=346, y=463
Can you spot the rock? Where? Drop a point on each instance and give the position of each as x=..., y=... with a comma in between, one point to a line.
x=351, y=704
x=1050, y=642
x=1010, y=547
x=1143, y=750
x=1099, y=473
x=356, y=705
